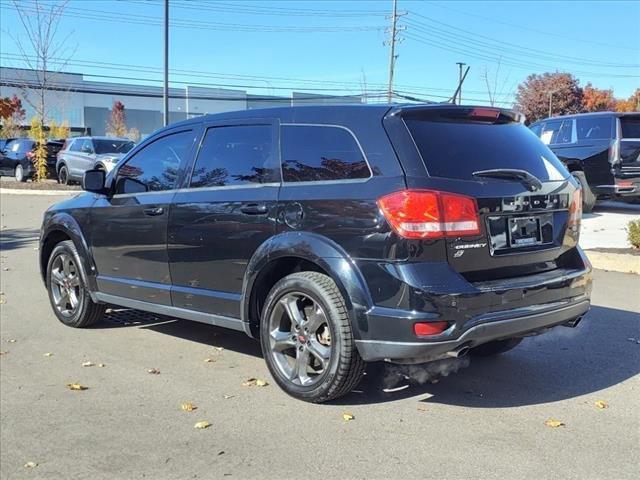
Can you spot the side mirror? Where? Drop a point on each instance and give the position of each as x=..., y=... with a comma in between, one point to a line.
x=93, y=181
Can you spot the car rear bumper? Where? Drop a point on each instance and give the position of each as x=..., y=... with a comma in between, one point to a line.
x=476, y=313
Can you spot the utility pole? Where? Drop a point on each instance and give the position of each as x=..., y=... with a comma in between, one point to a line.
x=460, y=65
x=166, y=63
x=392, y=44
x=551, y=92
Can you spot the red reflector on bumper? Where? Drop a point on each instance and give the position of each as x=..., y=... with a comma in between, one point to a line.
x=432, y=328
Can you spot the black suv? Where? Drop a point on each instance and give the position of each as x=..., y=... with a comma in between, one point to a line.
x=336, y=235
x=601, y=150
x=16, y=158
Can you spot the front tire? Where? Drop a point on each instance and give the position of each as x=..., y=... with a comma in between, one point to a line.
x=588, y=197
x=63, y=175
x=68, y=292
x=495, y=348
x=19, y=174
x=307, y=340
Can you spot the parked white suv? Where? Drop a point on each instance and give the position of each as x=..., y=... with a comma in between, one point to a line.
x=87, y=153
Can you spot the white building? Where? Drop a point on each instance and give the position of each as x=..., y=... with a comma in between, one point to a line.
x=86, y=105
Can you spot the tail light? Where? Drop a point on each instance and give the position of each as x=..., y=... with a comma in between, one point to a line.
x=429, y=214
x=575, y=210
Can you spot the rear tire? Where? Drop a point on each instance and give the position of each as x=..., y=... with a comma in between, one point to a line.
x=63, y=175
x=307, y=340
x=588, y=197
x=495, y=348
x=19, y=174
x=68, y=292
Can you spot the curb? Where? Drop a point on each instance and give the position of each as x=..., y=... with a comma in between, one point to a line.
x=614, y=262
x=19, y=191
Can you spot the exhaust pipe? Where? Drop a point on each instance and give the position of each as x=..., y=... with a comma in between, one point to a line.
x=459, y=352
x=573, y=323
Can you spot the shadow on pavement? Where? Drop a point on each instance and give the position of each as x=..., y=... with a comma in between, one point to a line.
x=11, y=239
x=560, y=364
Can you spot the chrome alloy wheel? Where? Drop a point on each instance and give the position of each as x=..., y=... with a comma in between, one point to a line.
x=65, y=287
x=299, y=339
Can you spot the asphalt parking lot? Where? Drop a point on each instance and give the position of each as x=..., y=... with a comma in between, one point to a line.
x=485, y=421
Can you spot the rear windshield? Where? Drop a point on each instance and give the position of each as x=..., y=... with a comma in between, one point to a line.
x=630, y=127
x=457, y=149
x=112, y=146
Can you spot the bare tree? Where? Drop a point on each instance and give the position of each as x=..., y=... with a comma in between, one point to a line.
x=44, y=54
x=492, y=81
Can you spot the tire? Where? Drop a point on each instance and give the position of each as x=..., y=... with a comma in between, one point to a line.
x=588, y=198
x=495, y=348
x=63, y=175
x=332, y=364
x=67, y=277
x=19, y=175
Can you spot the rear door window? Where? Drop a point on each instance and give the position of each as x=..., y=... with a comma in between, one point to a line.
x=550, y=131
x=235, y=155
x=312, y=153
x=456, y=149
x=593, y=128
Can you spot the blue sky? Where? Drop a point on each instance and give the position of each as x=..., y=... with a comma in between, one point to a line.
x=331, y=46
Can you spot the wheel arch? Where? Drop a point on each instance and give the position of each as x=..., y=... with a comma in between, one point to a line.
x=60, y=227
x=291, y=252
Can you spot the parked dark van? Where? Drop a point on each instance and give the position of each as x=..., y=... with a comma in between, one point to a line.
x=601, y=150
x=336, y=235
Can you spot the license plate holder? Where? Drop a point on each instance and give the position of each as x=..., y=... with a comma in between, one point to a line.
x=524, y=232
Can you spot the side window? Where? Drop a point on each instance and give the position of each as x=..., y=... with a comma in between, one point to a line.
x=550, y=132
x=594, y=128
x=565, y=133
x=312, y=153
x=75, y=145
x=155, y=167
x=235, y=155
x=537, y=129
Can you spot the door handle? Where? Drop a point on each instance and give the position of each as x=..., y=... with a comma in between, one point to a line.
x=254, y=208
x=153, y=211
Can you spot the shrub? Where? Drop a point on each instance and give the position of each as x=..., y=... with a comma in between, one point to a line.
x=633, y=233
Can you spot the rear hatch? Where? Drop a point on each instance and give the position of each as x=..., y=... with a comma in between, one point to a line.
x=629, y=149
x=523, y=192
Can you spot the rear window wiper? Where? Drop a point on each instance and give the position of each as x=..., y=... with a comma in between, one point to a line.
x=531, y=181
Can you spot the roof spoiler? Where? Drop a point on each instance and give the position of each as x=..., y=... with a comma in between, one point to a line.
x=450, y=112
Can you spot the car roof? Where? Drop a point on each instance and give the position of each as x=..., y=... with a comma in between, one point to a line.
x=588, y=114
x=98, y=137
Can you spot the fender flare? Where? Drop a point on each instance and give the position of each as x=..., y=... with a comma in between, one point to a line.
x=321, y=251
x=66, y=224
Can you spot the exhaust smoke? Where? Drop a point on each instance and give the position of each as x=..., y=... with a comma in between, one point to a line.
x=395, y=374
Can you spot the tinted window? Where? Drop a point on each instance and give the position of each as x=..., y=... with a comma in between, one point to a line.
x=235, y=155
x=112, y=146
x=564, y=134
x=550, y=132
x=13, y=146
x=76, y=145
x=319, y=153
x=457, y=149
x=630, y=127
x=156, y=165
x=594, y=128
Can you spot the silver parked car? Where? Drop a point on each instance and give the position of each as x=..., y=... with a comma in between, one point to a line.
x=86, y=153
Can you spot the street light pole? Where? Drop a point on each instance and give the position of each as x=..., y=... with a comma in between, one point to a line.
x=460, y=65
x=166, y=63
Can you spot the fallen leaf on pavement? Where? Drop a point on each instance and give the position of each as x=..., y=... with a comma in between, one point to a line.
x=188, y=407
x=227, y=397
x=30, y=465
x=88, y=364
x=602, y=404
x=255, y=382
x=153, y=371
x=346, y=416
x=12, y=340
x=2, y=300
x=219, y=349
x=48, y=354
x=101, y=365
x=76, y=386
x=3, y=352
x=554, y=423
x=209, y=360
x=202, y=424
x=422, y=408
